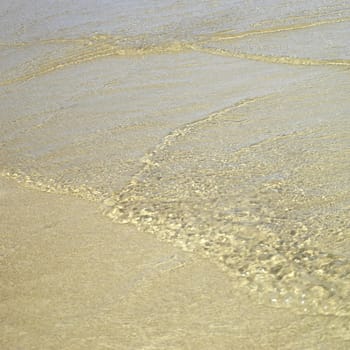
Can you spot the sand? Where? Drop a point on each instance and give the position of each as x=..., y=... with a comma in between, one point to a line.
x=73, y=279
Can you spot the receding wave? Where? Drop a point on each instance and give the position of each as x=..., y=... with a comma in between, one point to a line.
x=44, y=184
x=99, y=47
x=260, y=187
x=251, y=205
x=227, y=35
x=297, y=61
x=87, y=49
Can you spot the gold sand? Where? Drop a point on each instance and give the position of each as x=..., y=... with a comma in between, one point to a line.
x=74, y=281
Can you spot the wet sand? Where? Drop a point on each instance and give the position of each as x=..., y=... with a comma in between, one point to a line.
x=73, y=279
x=174, y=175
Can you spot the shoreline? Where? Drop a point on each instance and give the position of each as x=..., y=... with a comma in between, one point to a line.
x=73, y=279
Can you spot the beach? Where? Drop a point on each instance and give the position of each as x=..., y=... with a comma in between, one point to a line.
x=175, y=174
x=72, y=279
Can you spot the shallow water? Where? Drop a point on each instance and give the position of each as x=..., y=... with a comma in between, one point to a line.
x=220, y=126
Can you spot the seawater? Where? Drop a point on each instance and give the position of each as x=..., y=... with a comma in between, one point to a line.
x=220, y=126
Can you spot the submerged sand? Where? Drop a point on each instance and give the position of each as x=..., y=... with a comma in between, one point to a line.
x=73, y=279
x=215, y=135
